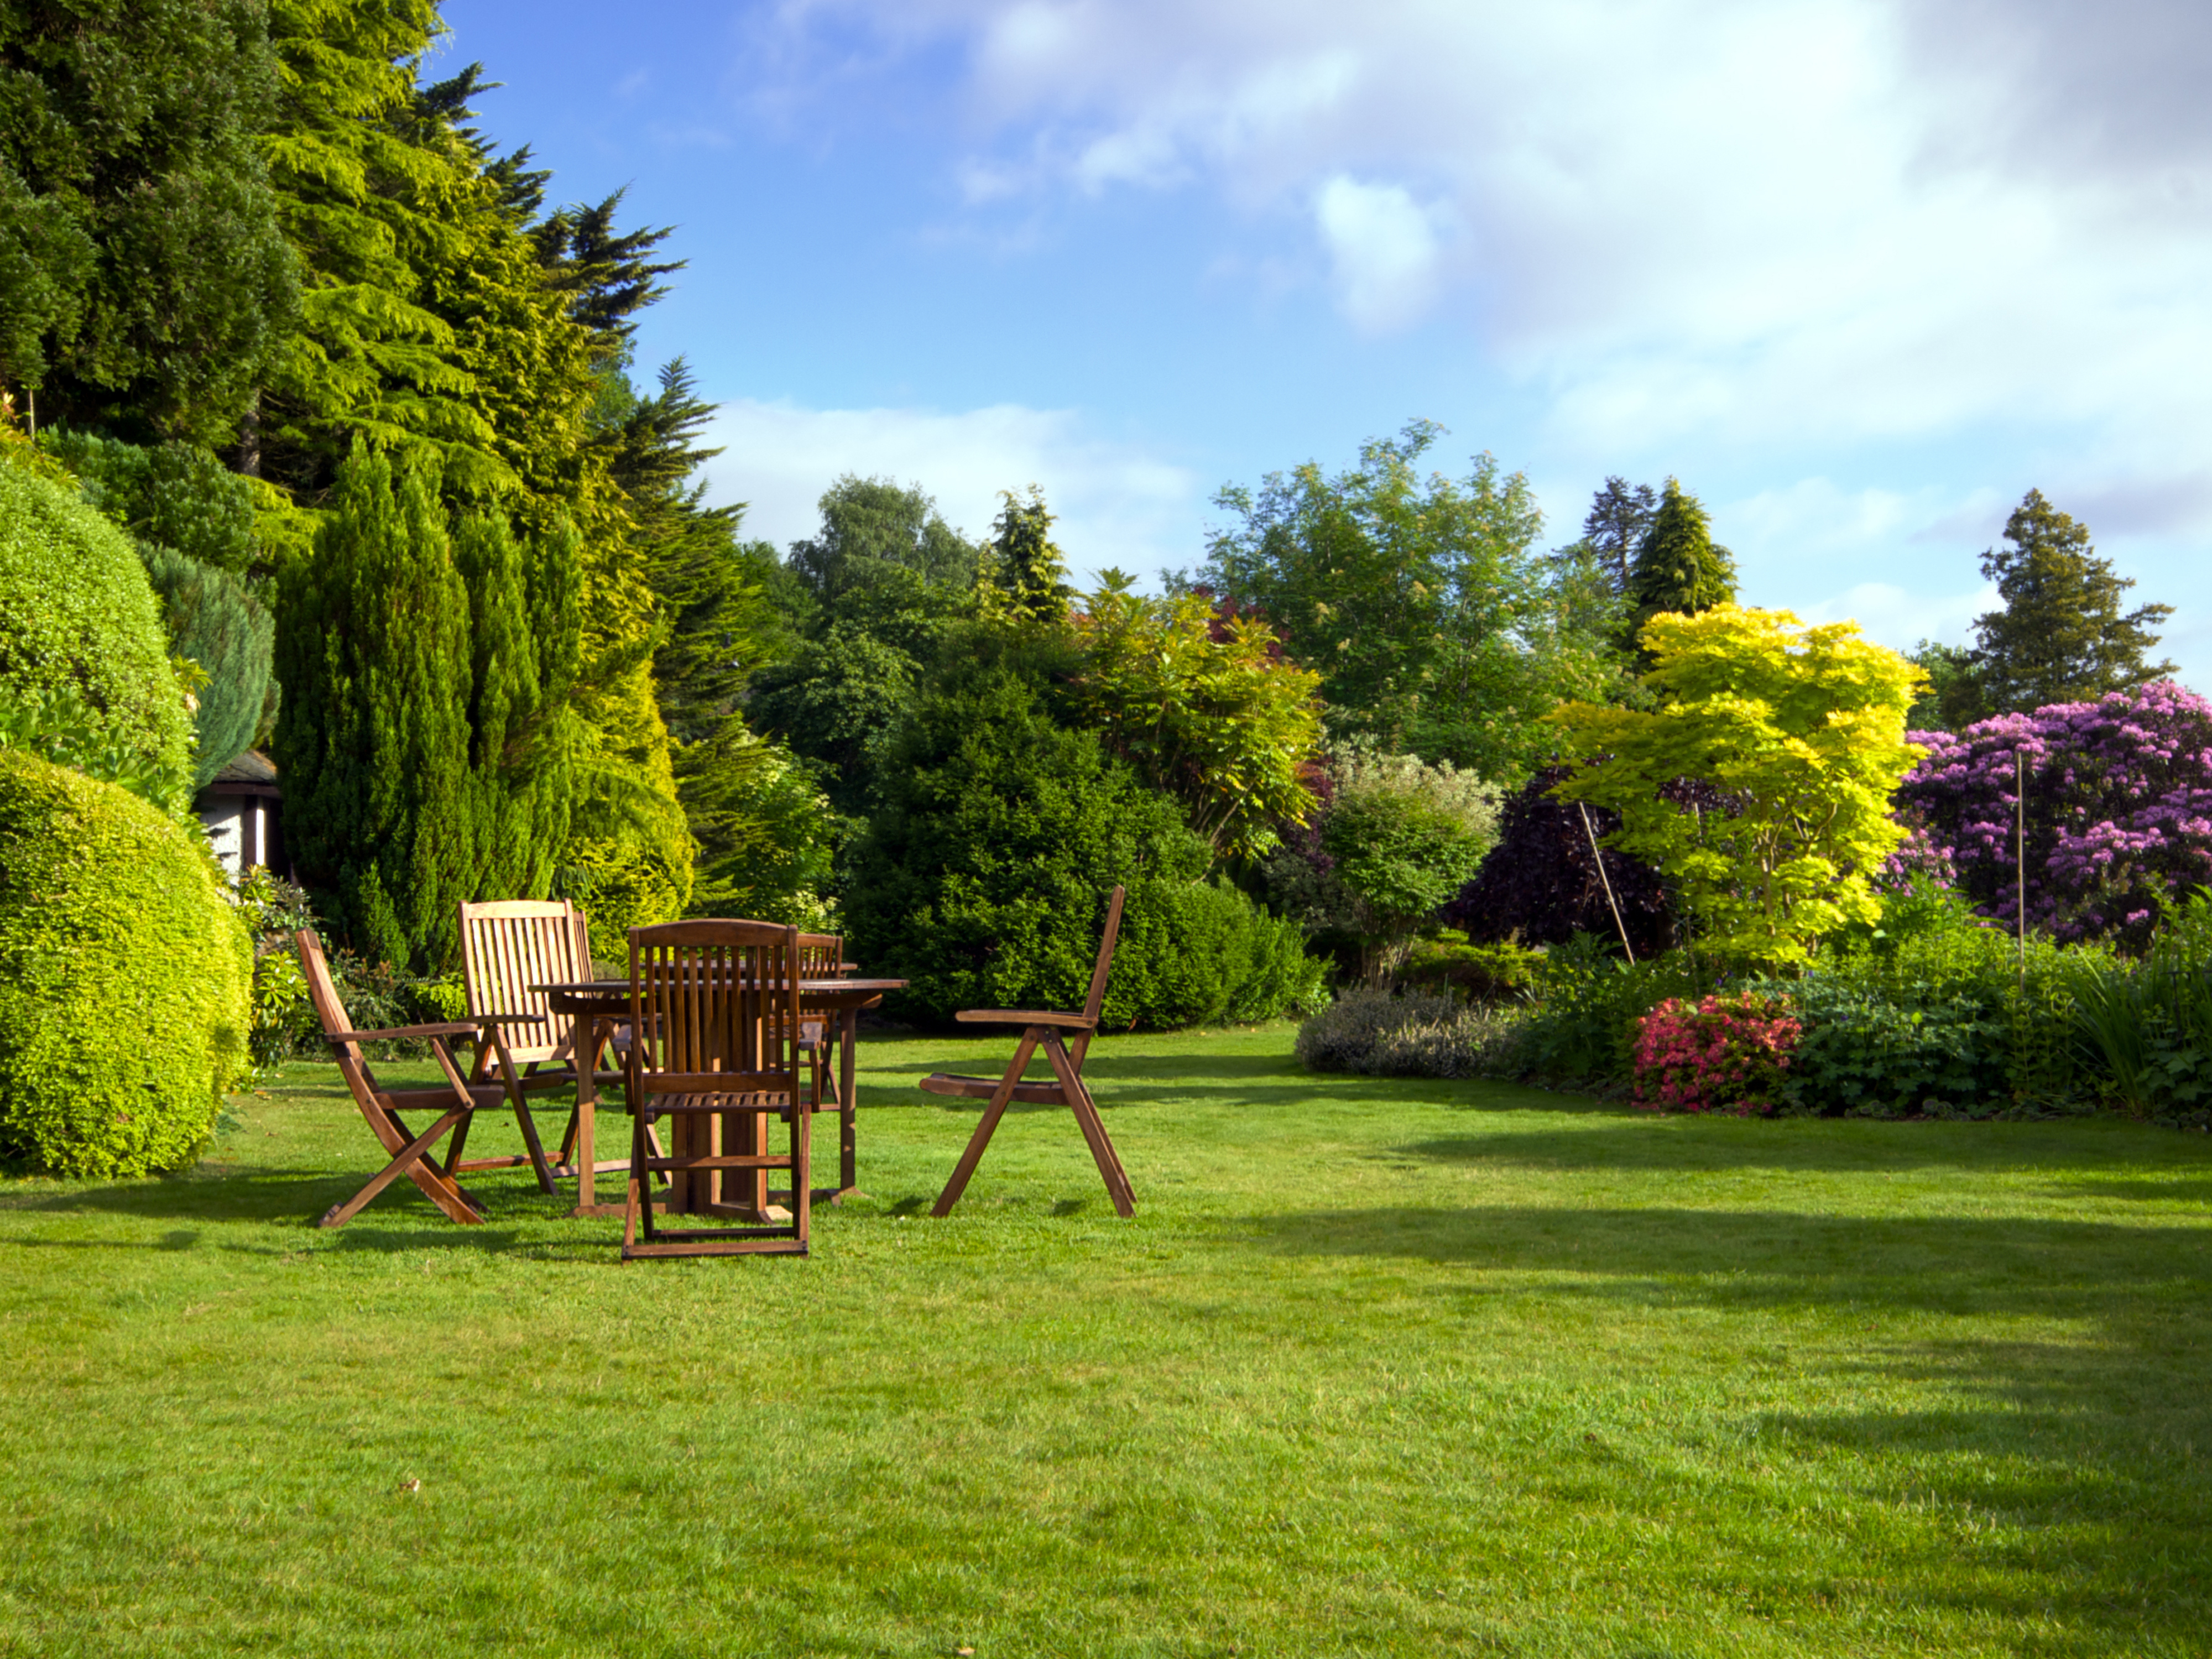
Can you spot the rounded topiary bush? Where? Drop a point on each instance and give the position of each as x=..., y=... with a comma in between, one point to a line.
x=125, y=978
x=78, y=621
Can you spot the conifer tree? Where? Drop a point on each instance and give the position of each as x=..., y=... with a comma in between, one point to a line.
x=1031, y=570
x=144, y=282
x=2061, y=637
x=373, y=652
x=1679, y=568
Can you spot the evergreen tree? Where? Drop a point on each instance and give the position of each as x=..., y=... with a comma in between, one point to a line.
x=373, y=652
x=1619, y=517
x=1679, y=568
x=2061, y=637
x=144, y=282
x=1031, y=570
x=1952, y=700
x=212, y=620
x=869, y=524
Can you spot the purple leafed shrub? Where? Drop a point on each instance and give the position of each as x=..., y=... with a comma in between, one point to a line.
x=2119, y=811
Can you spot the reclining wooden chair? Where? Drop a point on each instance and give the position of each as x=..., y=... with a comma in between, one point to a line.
x=1042, y=1029
x=458, y=1101
x=715, y=1050
x=507, y=946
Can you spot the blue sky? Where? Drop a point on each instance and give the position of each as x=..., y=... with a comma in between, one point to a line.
x=1858, y=273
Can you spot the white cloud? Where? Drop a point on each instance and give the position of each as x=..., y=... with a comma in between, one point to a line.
x=1118, y=503
x=1776, y=228
x=1384, y=247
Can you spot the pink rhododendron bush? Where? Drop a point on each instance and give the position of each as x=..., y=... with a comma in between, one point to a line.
x=1724, y=1053
x=2119, y=811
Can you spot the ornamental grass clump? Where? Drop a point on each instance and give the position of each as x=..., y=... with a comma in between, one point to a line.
x=1725, y=1053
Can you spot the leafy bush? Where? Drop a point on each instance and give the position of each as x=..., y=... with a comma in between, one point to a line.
x=1448, y=964
x=1372, y=1031
x=2149, y=1023
x=124, y=976
x=176, y=495
x=215, y=622
x=1931, y=1012
x=78, y=625
x=1723, y=1053
x=982, y=876
x=1584, y=1029
x=2119, y=811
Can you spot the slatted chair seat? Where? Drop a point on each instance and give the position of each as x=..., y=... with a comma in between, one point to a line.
x=457, y=1101
x=1042, y=1028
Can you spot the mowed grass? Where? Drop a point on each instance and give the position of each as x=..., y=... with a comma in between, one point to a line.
x=1380, y=1367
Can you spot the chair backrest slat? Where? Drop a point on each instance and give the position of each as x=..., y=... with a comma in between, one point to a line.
x=710, y=997
x=1096, y=999
x=509, y=945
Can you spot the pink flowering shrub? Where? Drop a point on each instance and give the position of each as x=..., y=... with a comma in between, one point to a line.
x=1727, y=1052
x=2119, y=811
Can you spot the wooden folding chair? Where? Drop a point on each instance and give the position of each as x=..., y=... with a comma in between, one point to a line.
x=715, y=1050
x=507, y=946
x=457, y=1102
x=1042, y=1029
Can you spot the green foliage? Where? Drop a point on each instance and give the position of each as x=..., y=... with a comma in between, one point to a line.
x=175, y=494
x=764, y=831
x=124, y=979
x=1435, y=629
x=1447, y=965
x=1678, y=567
x=1028, y=571
x=1404, y=837
x=1952, y=700
x=2060, y=637
x=58, y=726
x=143, y=277
x=1585, y=1027
x=982, y=876
x=869, y=523
x=213, y=621
x=2148, y=1023
x=832, y=702
x=426, y=743
x=1416, y=1035
x=1803, y=729
x=81, y=635
x=1206, y=707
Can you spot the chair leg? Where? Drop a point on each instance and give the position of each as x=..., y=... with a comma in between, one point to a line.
x=1094, y=1129
x=536, y=1150
x=630, y=1210
x=984, y=1130
x=410, y=1162
x=393, y=1134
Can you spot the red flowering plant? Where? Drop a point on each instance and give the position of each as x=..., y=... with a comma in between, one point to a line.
x=1727, y=1052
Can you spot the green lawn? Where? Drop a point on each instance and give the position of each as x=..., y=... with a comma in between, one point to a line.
x=1380, y=1367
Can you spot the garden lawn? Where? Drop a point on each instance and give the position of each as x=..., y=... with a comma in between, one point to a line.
x=1380, y=1367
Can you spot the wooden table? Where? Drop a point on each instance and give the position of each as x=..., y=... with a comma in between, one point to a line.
x=601, y=1006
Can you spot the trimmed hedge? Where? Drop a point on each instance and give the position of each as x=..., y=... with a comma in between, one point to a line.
x=78, y=614
x=126, y=977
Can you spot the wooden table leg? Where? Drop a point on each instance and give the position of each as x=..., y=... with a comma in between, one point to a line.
x=848, y=1171
x=587, y=1098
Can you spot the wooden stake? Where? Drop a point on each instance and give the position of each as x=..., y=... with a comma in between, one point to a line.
x=2019, y=855
x=1612, y=903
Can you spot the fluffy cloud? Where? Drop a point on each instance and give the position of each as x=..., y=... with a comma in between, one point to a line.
x=1118, y=503
x=1842, y=221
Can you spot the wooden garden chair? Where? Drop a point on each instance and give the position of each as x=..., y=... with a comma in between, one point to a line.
x=457, y=1102
x=715, y=1051
x=1042, y=1028
x=508, y=946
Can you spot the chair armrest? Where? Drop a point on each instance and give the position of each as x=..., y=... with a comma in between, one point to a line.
x=511, y=1019
x=456, y=1028
x=1024, y=1017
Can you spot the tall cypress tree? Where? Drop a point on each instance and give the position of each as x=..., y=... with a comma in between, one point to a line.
x=1678, y=566
x=373, y=652
x=1031, y=571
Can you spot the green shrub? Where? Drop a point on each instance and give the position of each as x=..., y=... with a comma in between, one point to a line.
x=1372, y=1031
x=173, y=494
x=1584, y=1029
x=125, y=978
x=1500, y=972
x=78, y=618
x=214, y=621
x=2147, y=1025
x=982, y=877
